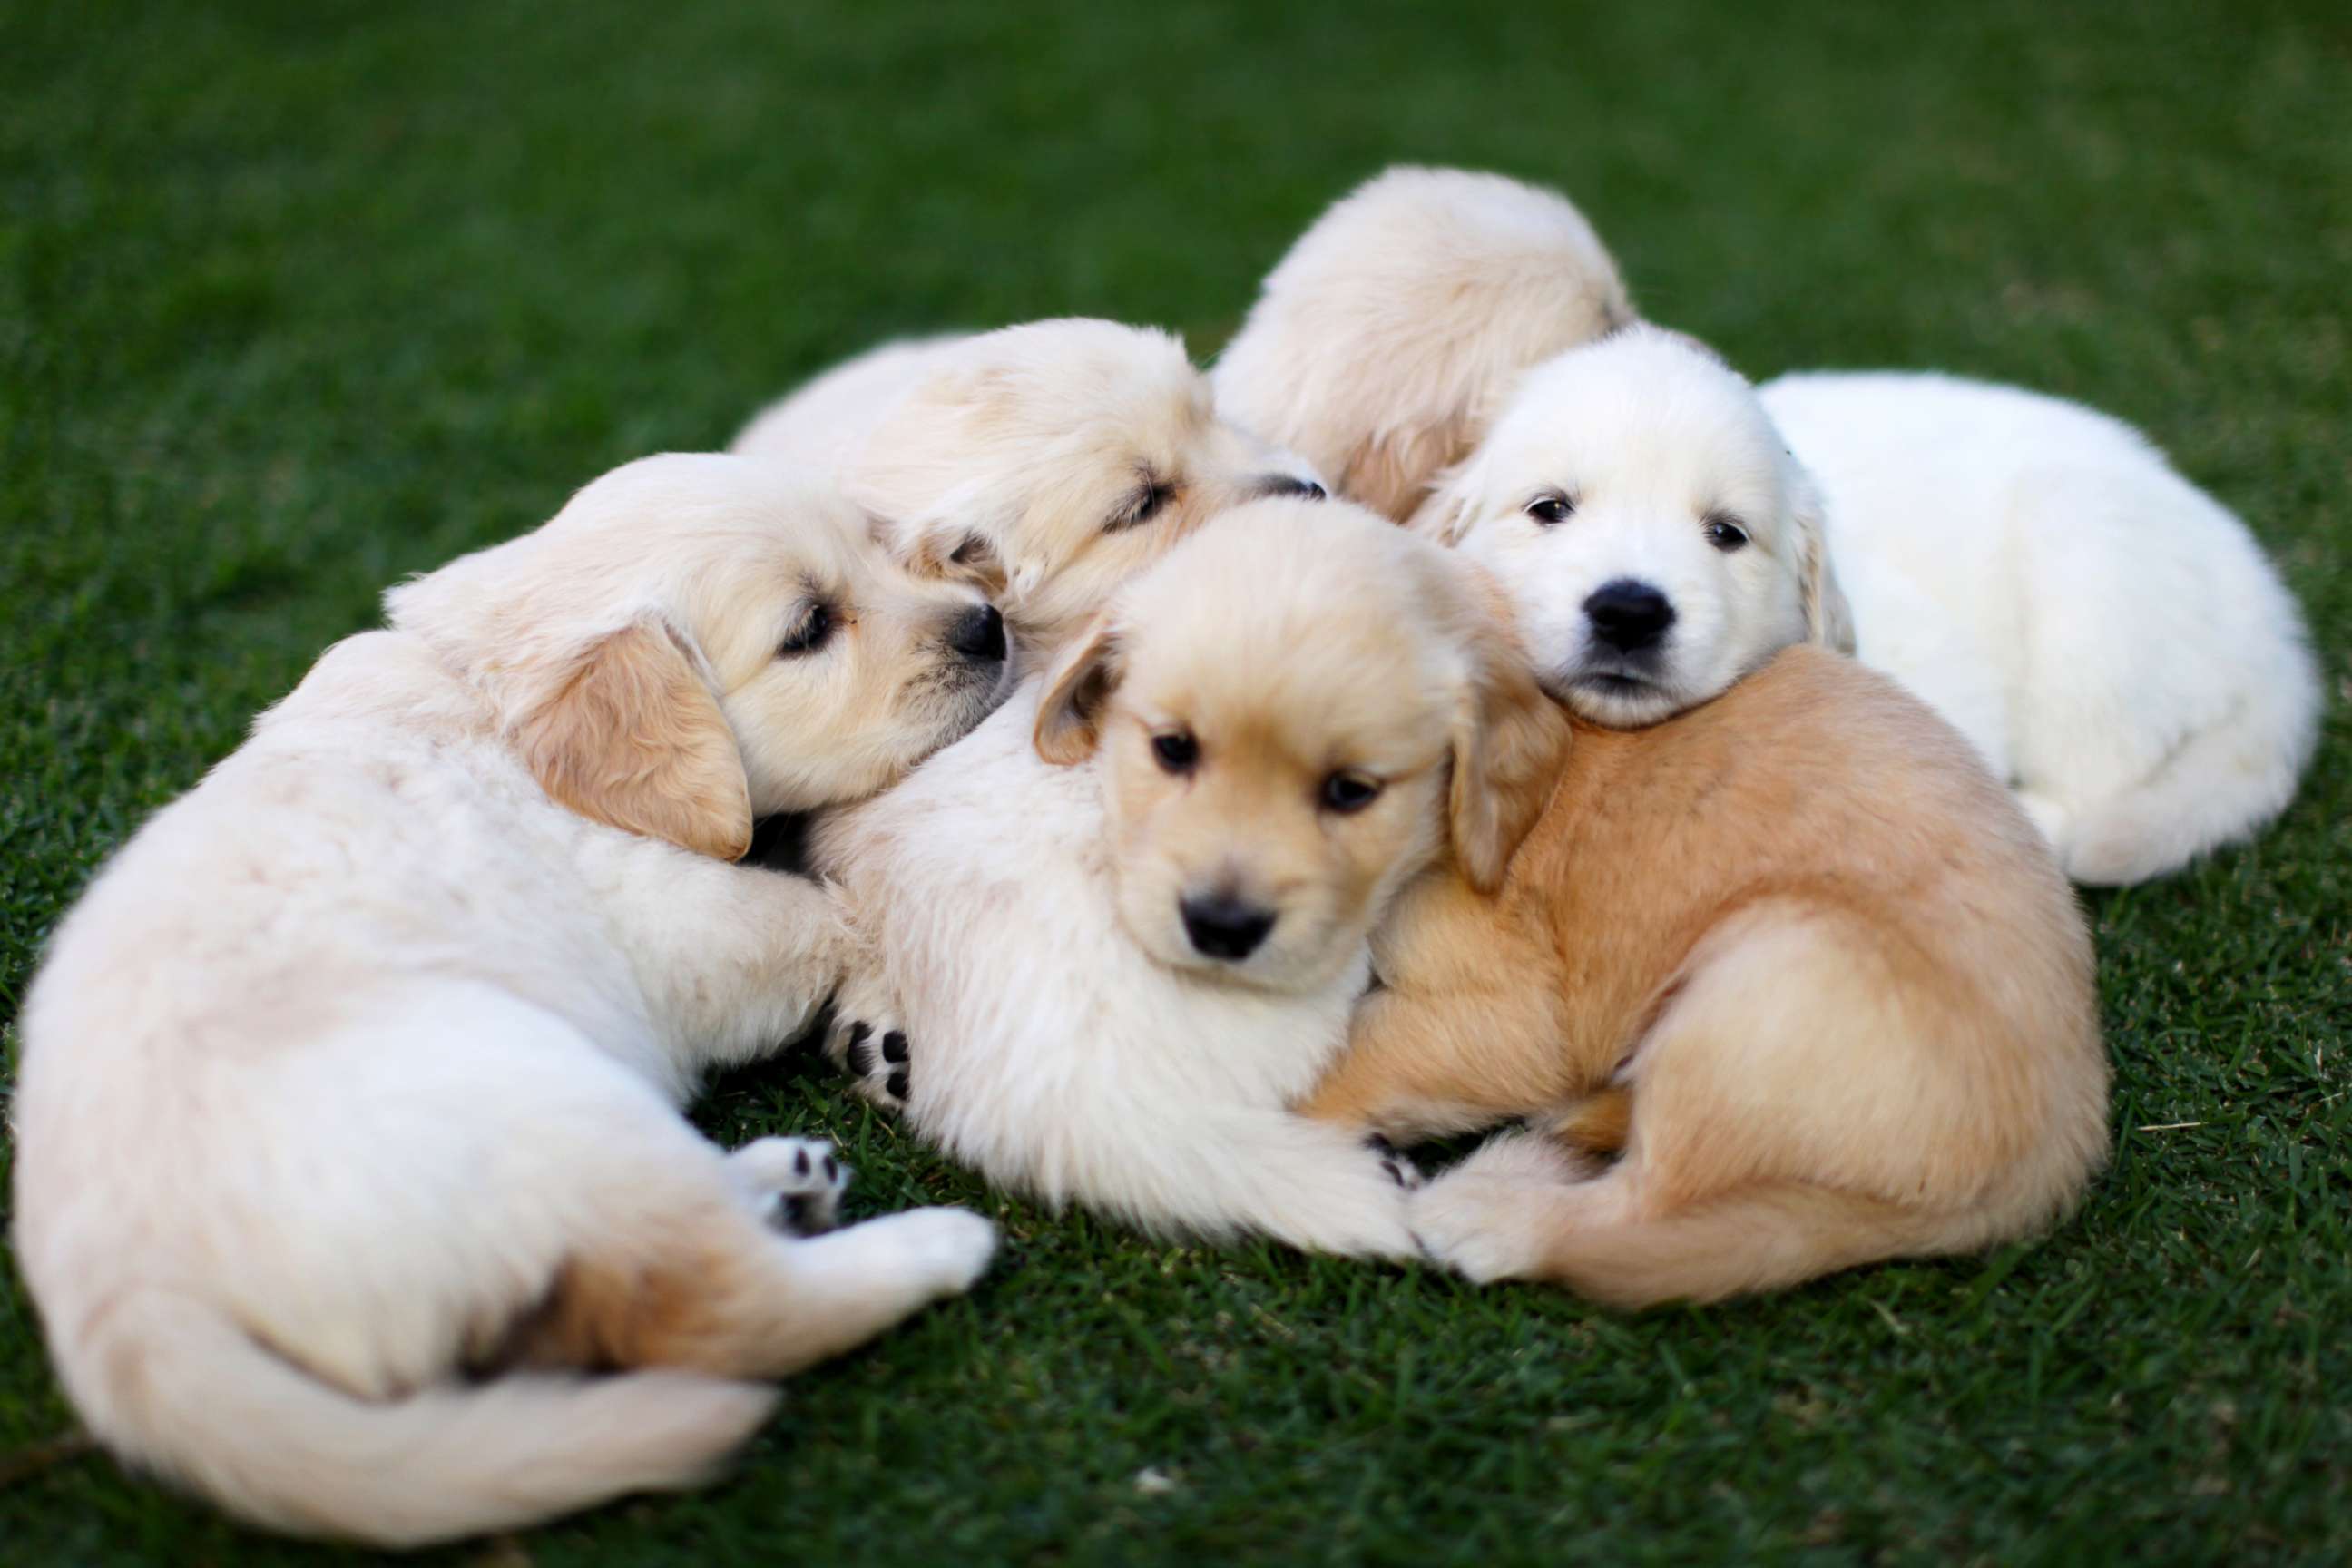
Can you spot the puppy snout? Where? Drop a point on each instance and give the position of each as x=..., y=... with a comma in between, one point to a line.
x=1223, y=926
x=979, y=634
x=1290, y=485
x=1628, y=616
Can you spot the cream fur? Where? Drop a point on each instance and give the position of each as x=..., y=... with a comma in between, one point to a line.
x=1046, y=463
x=357, y=1069
x=1066, y=1038
x=1385, y=341
x=2108, y=635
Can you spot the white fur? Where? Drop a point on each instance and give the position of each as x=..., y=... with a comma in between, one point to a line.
x=822, y=426
x=2110, y=637
x=354, y=1048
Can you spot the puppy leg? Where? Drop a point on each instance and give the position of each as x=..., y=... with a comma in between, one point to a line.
x=1311, y=1185
x=1425, y=1064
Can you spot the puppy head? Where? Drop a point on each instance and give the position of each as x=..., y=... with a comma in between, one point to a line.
x=1296, y=711
x=1385, y=343
x=1048, y=463
x=695, y=641
x=1658, y=539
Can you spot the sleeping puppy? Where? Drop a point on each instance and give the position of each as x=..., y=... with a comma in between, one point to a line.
x=1125, y=920
x=1386, y=340
x=1044, y=463
x=350, y=1180
x=1667, y=542
x=2109, y=636
x=1793, y=956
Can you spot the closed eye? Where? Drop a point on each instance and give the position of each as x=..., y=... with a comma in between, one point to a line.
x=1141, y=504
x=811, y=631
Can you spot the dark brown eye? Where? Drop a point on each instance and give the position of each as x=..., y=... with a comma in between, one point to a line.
x=814, y=630
x=1345, y=793
x=1551, y=509
x=1725, y=533
x=1177, y=751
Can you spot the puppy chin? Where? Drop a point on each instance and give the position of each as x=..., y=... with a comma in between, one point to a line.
x=1620, y=700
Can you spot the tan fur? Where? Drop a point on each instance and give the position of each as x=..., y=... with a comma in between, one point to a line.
x=1387, y=339
x=635, y=741
x=1832, y=969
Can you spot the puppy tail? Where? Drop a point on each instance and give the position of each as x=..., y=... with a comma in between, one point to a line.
x=183, y=1391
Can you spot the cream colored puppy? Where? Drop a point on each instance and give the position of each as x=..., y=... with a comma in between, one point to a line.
x=1665, y=542
x=1126, y=920
x=350, y=1180
x=1046, y=463
x=1384, y=343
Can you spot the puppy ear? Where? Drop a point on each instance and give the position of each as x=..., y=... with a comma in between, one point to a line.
x=1509, y=740
x=1443, y=515
x=628, y=734
x=1829, y=619
x=1069, y=716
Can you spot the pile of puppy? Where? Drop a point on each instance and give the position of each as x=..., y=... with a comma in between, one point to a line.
x=1684, y=775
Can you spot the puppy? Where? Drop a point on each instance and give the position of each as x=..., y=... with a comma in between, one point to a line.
x=2107, y=635
x=1046, y=463
x=1124, y=921
x=1793, y=957
x=1386, y=340
x=347, y=1133
x=1665, y=542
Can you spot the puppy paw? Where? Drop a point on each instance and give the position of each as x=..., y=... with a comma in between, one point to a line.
x=1489, y=1217
x=1396, y=1164
x=948, y=1248
x=867, y=1044
x=795, y=1183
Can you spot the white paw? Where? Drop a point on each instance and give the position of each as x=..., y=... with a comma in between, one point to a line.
x=1486, y=1218
x=867, y=1044
x=949, y=1248
x=795, y=1183
x=1396, y=1164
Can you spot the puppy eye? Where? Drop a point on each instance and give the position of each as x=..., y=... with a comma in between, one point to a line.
x=1141, y=505
x=815, y=630
x=1176, y=751
x=1345, y=793
x=1726, y=534
x=1551, y=509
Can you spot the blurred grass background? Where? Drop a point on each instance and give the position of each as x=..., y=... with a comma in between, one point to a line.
x=296, y=298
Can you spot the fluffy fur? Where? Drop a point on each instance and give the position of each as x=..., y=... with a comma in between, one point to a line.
x=348, y=1143
x=1046, y=463
x=1640, y=476
x=1385, y=341
x=1796, y=954
x=2108, y=635
x=1033, y=891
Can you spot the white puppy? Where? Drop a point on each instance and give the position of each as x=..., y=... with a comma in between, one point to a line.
x=1046, y=463
x=347, y=1143
x=1384, y=343
x=1122, y=949
x=1637, y=496
x=2110, y=637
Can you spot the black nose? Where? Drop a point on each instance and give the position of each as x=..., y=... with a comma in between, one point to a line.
x=1290, y=485
x=1628, y=616
x=979, y=634
x=1225, y=927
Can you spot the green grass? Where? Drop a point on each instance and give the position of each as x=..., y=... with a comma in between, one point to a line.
x=295, y=298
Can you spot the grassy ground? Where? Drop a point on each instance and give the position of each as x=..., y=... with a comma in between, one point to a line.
x=295, y=298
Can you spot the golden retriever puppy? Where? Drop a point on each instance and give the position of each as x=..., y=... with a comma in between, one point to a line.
x=1794, y=953
x=1385, y=343
x=1046, y=463
x=1125, y=920
x=1665, y=541
x=349, y=1180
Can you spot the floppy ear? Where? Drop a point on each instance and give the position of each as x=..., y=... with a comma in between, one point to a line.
x=1829, y=619
x=1444, y=516
x=1509, y=740
x=1069, y=716
x=629, y=735
x=1393, y=472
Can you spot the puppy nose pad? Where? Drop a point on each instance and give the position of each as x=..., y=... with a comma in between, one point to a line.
x=979, y=634
x=1226, y=927
x=1628, y=616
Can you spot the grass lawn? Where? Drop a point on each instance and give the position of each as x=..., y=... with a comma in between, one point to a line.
x=298, y=298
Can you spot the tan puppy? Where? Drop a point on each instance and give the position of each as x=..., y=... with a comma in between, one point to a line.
x=1386, y=340
x=350, y=1181
x=1046, y=463
x=1799, y=953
